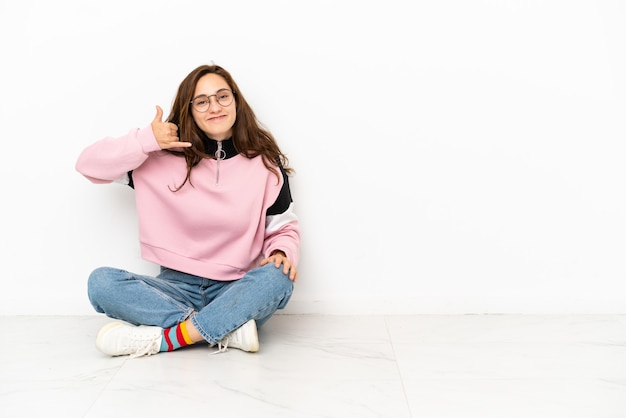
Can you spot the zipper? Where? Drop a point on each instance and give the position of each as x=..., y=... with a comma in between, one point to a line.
x=219, y=156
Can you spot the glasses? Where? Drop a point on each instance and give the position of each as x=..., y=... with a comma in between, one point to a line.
x=223, y=97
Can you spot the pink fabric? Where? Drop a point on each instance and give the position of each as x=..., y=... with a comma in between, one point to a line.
x=213, y=230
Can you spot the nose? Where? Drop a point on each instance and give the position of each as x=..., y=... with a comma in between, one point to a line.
x=213, y=104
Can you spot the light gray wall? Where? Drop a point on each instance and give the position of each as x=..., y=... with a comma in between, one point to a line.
x=452, y=156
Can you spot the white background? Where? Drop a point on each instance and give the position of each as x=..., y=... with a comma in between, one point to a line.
x=452, y=156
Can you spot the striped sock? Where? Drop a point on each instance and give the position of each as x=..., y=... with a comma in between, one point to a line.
x=175, y=337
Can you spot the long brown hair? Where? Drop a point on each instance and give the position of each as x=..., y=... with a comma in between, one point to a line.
x=249, y=137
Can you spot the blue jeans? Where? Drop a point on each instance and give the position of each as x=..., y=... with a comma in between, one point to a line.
x=216, y=308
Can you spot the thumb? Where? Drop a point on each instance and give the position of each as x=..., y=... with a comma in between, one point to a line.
x=159, y=114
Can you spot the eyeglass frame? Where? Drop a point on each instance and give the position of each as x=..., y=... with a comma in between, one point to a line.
x=208, y=96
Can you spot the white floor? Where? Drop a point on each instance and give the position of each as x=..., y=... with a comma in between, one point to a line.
x=502, y=366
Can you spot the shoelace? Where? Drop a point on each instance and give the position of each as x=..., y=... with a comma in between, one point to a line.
x=146, y=349
x=222, y=346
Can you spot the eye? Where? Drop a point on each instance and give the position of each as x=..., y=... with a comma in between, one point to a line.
x=201, y=101
x=224, y=95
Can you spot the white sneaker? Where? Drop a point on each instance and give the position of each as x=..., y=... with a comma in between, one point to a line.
x=121, y=339
x=244, y=338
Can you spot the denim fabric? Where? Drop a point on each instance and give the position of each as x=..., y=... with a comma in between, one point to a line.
x=216, y=308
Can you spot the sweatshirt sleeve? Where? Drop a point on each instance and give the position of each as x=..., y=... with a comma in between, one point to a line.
x=282, y=229
x=283, y=233
x=110, y=159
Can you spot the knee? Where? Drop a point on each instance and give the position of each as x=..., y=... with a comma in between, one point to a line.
x=99, y=278
x=281, y=285
x=279, y=280
x=100, y=282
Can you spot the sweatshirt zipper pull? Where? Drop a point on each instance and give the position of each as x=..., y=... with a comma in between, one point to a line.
x=219, y=156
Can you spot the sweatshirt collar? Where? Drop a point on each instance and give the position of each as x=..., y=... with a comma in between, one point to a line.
x=228, y=146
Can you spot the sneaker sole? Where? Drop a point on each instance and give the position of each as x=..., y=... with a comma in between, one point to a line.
x=253, y=330
x=102, y=332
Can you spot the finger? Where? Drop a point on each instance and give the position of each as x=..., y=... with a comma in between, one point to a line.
x=159, y=114
x=178, y=145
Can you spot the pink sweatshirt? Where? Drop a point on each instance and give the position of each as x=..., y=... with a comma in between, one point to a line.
x=220, y=227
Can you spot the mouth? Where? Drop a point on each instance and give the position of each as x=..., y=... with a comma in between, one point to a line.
x=217, y=118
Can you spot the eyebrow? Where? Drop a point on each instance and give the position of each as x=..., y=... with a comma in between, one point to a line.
x=207, y=95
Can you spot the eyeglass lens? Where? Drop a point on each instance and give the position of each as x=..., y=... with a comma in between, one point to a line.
x=202, y=103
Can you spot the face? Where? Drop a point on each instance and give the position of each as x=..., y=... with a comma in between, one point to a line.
x=217, y=122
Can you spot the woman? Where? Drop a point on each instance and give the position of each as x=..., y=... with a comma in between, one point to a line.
x=215, y=213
